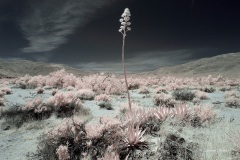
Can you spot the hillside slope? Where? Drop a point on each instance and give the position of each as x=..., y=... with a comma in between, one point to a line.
x=23, y=67
x=227, y=65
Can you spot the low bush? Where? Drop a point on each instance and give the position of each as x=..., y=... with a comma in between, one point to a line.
x=208, y=89
x=164, y=99
x=76, y=139
x=183, y=95
x=143, y=90
x=85, y=94
x=104, y=104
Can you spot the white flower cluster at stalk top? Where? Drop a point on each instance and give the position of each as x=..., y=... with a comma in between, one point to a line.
x=125, y=22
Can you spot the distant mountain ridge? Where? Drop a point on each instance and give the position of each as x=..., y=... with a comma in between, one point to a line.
x=227, y=65
x=22, y=67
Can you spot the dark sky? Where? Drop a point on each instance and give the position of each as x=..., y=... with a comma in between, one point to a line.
x=84, y=33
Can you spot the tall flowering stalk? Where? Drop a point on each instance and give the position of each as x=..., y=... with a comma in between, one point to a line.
x=124, y=28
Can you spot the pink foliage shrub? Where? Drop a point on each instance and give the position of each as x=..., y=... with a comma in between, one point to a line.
x=134, y=83
x=62, y=152
x=102, y=84
x=96, y=130
x=205, y=114
x=58, y=79
x=160, y=89
x=61, y=79
x=36, y=81
x=233, y=101
x=201, y=95
x=65, y=103
x=196, y=100
x=65, y=129
x=103, y=97
x=32, y=105
x=124, y=107
x=6, y=90
x=143, y=90
x=85, y=94
x=230, y=94
x=150, y=81
x=110, y=156
x=23, y=81
x=164, y=99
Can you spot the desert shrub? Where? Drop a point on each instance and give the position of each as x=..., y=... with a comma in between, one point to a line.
x=164, y=99
x=6, y=90
x=22, y=81
x=134, y=83
x=32, y=110
x=58, y=79
x=196, y=100
x=160, y=90
x=150, y=81
x=143, y=90
x=70, y=88
x=85, y=94
x=175, y=147
x=103, y=100
x=202, y=116
x=208, y=89
x=230, y=94
x=224, y=89
x=124, y=107
x=85, y=140
x=106, y=105
x=151, y=125
x=62, y=104
x=102, y=84
x=65, y=104
x=61, y=79
x=201, y=95
x=110, y=155
x=103, y=97
x=36, y=81
x=183, y=95
x=65, y=134
x=233, y=102
x=62, y=152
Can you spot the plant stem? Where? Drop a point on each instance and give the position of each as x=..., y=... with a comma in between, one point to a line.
x=129, y=100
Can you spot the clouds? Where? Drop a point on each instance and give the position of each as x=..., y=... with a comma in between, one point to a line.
x=143, y=62
x=47, y=24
